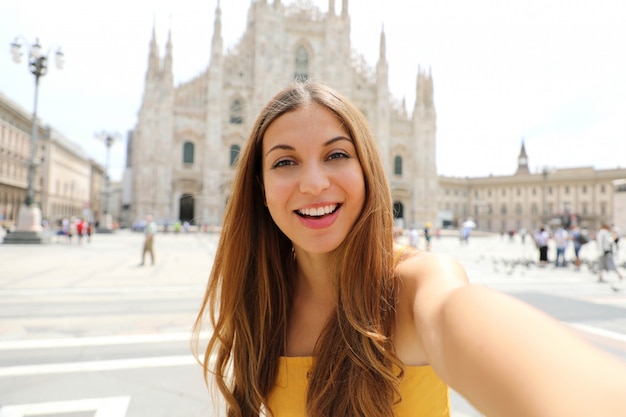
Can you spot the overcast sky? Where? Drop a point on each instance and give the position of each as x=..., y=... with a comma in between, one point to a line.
x=551, y=72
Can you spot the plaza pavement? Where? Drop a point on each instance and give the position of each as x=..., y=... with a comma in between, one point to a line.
x=109, y=266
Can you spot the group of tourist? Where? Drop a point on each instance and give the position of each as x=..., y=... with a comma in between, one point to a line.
x=607, y=240
x=75, y=228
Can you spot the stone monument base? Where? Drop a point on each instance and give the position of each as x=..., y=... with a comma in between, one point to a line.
x=28, y=229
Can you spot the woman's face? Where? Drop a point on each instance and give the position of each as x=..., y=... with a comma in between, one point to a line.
x=313, y=181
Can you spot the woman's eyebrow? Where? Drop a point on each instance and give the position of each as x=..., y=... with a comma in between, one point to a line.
x=338, y=138
x=280, y=146
x=291, y=148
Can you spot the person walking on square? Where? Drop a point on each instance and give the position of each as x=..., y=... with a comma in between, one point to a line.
x=413, y=237
x=561, y=238
x=605, y=242
x=89, y=230
x=80, y=230
x=427, y=235
x=541, y=239
x=578, y=240
x=617, y=234
x=149, y=231
x=72, y=229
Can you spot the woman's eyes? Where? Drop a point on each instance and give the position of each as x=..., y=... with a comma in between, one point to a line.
x=337, y=155
x=283, y=163
x=331, y=156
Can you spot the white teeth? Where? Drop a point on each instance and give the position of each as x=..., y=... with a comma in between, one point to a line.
x=320, y=211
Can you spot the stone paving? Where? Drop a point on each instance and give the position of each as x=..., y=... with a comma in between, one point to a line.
x=184, y=261
x=107, y=268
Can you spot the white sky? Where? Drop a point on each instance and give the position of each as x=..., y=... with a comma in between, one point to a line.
x=550, y=71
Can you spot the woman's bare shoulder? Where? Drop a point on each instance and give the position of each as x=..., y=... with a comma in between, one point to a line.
x=414, y=265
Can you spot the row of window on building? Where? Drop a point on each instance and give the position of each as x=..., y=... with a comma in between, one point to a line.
x=189, y=151
x=518, y=191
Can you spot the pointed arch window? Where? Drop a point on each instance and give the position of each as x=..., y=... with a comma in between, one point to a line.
x=188, y=153
x=236, y=112
x=234, y=154
x=302, y=65
x=397, y=165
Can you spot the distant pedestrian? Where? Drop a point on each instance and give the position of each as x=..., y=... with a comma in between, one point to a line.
x=80, y=230
x=561, y=239
x=89, y=231
x=427, y=235
x=413, y=237
x=65, y=227
x=466, y=229
x=617, y=234
x=605, y=244
x=149, y=231
x=511, y=234
x=578, y=239
x=541, y=240
x=72, y=230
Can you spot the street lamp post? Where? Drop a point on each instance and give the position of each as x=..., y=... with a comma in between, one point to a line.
x=28, y=228
x=547, y=212
x=105, y=225
x=544, y=216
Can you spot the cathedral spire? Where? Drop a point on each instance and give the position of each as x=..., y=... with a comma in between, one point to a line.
x=382, y=68
x=167, y=61
x=429, y=93
x=419, y=90
x=331, y=7
x=217, y=25
x=383, y=45
x=153, y=58
x=217, y=42
x=344, y=8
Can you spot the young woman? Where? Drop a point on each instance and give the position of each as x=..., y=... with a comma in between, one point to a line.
x=315, y=312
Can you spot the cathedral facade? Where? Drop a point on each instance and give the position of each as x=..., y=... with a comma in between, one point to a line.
x=183, y=150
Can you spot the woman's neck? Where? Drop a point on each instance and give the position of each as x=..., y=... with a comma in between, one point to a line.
x=312, y=279
x=312, y=304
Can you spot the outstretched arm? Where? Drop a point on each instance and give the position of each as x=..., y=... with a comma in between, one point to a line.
x=507, y=358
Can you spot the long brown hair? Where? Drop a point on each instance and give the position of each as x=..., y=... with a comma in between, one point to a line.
x=248, y=295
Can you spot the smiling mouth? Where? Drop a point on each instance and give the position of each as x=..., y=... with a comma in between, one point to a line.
x=319, y=212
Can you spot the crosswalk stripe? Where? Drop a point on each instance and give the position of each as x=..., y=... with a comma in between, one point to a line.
x=93, y=341
x=599, y=331
x=95, y=366
x=103, y=407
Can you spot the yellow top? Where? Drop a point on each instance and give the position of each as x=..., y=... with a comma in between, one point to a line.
x=423, y=393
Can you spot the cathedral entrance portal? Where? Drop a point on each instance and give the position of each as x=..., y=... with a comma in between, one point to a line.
x=398, y=210
x=186, y=205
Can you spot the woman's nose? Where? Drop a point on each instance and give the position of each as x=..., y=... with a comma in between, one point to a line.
x=314, y=180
